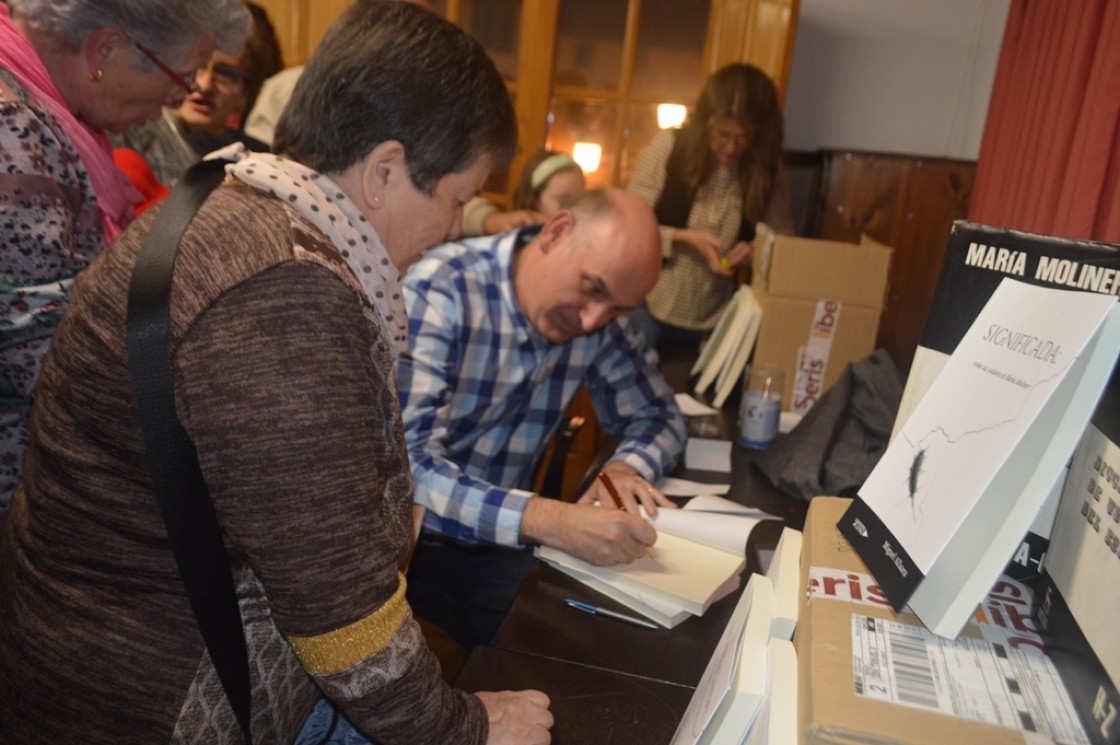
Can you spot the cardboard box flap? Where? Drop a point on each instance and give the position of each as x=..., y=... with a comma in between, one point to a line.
x=815, y=269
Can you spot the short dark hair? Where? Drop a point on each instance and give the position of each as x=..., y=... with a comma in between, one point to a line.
x=397, y=71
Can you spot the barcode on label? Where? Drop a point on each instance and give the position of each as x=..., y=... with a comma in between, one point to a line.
x=980, y=679
x=911, y=670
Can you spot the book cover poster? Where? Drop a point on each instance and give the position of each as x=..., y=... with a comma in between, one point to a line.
x=966, y=429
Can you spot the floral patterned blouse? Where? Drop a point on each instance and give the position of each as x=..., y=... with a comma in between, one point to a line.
x=50, y=228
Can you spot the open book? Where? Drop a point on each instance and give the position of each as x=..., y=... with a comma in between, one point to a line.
x=695, y=562
x=726, y=352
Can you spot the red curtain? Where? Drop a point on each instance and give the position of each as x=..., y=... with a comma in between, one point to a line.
x=1050, y=157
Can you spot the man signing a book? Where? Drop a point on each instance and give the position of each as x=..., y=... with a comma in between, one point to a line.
x=504, y=330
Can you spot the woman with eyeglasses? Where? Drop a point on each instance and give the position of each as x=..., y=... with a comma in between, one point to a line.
x=70, y=73
x=210, y=117
x=710, y=182
x=285, y=317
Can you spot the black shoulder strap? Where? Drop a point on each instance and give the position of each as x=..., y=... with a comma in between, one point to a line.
x=188, y=513
x=675, y=202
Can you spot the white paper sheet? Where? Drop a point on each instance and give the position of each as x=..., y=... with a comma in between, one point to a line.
x=713, y=503
x=691, y=407
x=708, y=455
x=673, y=487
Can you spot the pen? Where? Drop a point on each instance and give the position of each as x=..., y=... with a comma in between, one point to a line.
x=611, y=490
x=596, y=610
x=616, y=499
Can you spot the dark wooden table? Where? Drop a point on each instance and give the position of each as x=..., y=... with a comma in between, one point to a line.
x=612, y=682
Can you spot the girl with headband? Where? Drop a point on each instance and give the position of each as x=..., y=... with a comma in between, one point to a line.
x=549, y=182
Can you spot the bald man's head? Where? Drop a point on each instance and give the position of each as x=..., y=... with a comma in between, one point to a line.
x=591, y=262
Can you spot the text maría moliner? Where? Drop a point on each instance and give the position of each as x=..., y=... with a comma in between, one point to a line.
x=1061, y=272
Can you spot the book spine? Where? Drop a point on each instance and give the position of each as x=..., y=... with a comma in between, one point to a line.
x=1092, y=692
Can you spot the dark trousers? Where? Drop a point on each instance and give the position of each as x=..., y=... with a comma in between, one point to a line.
x=658, y=333
x=465, y=590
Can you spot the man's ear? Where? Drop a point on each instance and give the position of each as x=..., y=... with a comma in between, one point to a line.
x=556, y=229
x=381, y=173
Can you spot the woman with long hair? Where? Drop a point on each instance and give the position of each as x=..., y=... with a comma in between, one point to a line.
x=710, y=183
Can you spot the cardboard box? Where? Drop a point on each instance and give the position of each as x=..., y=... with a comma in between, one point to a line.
x=856, y=685
x=821, y=302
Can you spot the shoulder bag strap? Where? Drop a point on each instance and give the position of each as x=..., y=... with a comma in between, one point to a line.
x=196, y=537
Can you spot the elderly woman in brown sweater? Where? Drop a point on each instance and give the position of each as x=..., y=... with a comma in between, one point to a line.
x=285, y=319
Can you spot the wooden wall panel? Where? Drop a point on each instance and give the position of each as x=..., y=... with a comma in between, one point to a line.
x=320, y=15
x=287, y=19
x=908, y=203
x=300, y=24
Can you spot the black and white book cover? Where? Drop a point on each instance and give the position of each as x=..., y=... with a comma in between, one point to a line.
x=977, y=258
x=950, y=500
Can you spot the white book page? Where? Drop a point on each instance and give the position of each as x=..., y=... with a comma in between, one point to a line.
x=721, y=530
x=674, y=487
x=731, y=374
x=717, y=345
x=710, y=502
x=683, y=572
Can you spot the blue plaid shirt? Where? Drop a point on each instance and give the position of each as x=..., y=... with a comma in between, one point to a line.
x=482, y=392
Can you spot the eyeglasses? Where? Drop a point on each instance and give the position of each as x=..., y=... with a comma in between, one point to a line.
x=722, y=137
x=181, y=81
x=225, y=76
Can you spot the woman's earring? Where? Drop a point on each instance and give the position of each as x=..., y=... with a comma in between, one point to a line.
x=97, y=75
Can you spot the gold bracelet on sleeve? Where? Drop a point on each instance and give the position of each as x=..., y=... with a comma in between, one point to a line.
x=337, y=650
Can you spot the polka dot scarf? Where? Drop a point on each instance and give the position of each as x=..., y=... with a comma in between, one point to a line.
x=318, y=199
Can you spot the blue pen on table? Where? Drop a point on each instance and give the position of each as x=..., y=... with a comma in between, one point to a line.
x=596, y=610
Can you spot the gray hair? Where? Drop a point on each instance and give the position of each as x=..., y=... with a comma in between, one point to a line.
x=592, y=205
x=171, y=27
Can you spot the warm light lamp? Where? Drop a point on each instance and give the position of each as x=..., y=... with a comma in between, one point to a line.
x=588, y=155
x=670, y=115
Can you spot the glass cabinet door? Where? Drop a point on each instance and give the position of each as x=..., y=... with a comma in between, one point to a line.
x=668, y=61
x=615, y=63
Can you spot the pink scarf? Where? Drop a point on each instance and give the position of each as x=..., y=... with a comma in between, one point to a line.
x=111, y=187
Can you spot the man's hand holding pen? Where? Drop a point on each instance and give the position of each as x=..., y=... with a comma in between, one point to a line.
x=630, y=489
x=603, y=537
